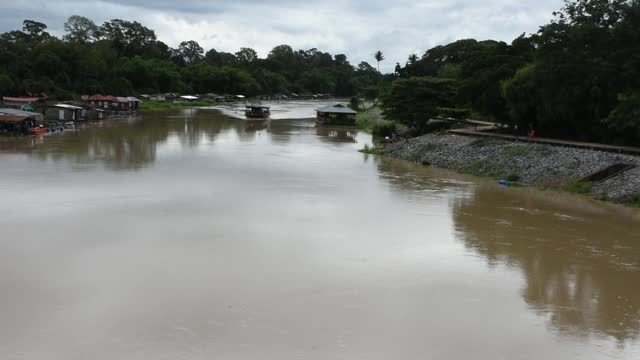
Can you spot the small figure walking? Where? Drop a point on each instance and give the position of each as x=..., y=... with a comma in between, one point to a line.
x=393, y=137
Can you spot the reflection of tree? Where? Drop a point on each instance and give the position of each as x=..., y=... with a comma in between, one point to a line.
x=336, y=134
x=124, y=145
x=583, y=272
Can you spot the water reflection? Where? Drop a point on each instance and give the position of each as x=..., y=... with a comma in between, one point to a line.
x=337, y=134
x=581, y=270
x=131, y=143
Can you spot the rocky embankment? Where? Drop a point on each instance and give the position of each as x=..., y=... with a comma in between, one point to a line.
x=526, y=163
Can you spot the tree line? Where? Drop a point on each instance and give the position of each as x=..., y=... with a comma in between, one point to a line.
x=578, y=77
x=125, y=57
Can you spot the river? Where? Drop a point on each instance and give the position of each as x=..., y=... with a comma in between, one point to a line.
x=191, y=234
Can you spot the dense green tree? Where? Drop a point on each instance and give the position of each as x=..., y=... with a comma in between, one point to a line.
x=80, y=29
x=190, y=51
x=246, y=56
x=416, y=100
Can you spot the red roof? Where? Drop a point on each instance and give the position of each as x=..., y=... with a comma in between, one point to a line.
x=102, y=98
x=12, y=118
x=21, y=99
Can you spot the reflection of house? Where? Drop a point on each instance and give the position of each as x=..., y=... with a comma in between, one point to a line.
x=16, y=124
x=336, y=115
x=66, y=112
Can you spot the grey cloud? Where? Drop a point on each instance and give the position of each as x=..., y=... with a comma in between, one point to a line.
x=355, y=28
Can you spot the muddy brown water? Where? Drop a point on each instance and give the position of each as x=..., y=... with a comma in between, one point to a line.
x=190, y=234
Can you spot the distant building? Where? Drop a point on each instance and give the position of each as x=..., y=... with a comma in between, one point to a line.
x=106, y=102
x=188, y=98
x=66, y=112
x=337, y=114
x=28, y=103
x=16, y=124
x=8, y=111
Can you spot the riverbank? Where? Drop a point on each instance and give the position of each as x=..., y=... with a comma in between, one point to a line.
x=538, y=165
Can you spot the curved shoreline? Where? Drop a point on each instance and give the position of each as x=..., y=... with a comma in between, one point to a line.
x=533, y=164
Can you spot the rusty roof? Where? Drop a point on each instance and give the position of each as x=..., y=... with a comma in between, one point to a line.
x=12, y=118
x=22, y=99
x=102, y=98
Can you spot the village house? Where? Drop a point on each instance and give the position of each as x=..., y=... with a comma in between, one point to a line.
x=106, y=102
x=66, y=112
x=27, y=103
x=17, y=124
x=36, y=116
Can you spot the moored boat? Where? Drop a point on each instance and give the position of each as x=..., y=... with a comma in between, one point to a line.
x=257, y=112
x=38, y=130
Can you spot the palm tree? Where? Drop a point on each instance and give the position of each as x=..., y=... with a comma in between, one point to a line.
x=379, y=58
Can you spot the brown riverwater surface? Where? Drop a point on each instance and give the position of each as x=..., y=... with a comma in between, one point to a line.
x=189, y=234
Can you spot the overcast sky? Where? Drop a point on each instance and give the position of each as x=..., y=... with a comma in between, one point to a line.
x=355, y=28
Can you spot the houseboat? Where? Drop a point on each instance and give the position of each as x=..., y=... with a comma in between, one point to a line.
x=337, y=114
x=257, y=111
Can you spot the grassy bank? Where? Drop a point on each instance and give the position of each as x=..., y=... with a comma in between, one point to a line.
x=373, y=121
x=164, y=105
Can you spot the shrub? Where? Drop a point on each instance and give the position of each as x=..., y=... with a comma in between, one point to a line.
x=371, y=150
x=516, y=151
x=383, y=128
x=580, y=187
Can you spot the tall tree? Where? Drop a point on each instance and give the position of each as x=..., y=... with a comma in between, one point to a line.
x=190, y=51
x=247, y=56
x=379, y=56
x=80, y=29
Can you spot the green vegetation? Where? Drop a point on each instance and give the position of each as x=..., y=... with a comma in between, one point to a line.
x=635, y=200
x=516, y=151
x=480, y=142
x=371, y=150
x=580, y=187
x=578, y=77
x=163, y=105
x=123, y=57
x=373, y=120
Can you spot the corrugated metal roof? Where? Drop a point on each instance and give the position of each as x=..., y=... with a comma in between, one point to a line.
x=16, y=112
x=132, y=99
x=336, y=109
x=67, y=106
x=189, y=97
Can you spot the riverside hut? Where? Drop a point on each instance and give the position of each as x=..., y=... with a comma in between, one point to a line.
x=106, y=102
x=16, y=124
x=66, y=112
x=36, y=116
x=337, y=114
x=28, y=103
